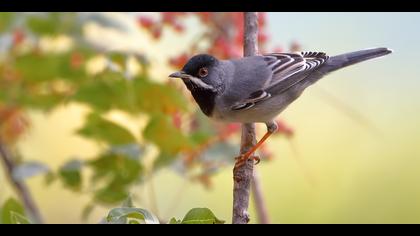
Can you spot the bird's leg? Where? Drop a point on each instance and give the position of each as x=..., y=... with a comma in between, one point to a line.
x=271, y=128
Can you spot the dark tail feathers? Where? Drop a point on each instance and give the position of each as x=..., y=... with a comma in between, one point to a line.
x=346, y=59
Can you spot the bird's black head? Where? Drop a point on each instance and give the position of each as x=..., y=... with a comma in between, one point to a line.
x=202, y=77
x=198, y=65
x=200, y=73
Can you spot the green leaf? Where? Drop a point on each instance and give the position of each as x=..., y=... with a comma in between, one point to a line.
x=164, y=159
x=108, y=91
x=111, y=194
x=166, y=136
x=70, y=174
x=29, y=169
x=44, y=102
x=200, y=137
x=49, y=178
x=157, y=98
x=17, y=218
x=201, y=216
x=47, y=87
x=11, y=205
x=55, y=66
x=119, y=169
x=174, y=221
x=44, y=24
x=118, y=172
x=124, y=215
x=107, y=131
x=111, y=91
x=117, y=58
x=5, y=20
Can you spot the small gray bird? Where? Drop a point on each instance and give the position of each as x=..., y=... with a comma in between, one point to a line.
x=258, y=88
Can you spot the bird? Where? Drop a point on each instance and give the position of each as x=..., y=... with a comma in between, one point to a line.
x=256, y=89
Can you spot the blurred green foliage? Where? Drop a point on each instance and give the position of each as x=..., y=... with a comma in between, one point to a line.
x=9, y=208
x=36, y=76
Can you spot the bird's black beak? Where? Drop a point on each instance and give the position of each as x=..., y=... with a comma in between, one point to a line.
x=180, y=74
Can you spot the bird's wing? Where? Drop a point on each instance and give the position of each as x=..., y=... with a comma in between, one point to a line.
x=283, y=66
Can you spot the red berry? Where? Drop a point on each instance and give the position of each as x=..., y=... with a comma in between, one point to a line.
x=283, y=128
x=18, y=36
x=168, y=17
x=157, y=32
x=262, y=37
x=179, y=61
x=178, y=27
x=146, y=22
x=76, y=60
x=278, y=49
x=262, y=19
x=176, y=120
x=204, y=16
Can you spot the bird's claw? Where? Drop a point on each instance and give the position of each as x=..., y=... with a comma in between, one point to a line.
x=241, y=160
x=257, y=160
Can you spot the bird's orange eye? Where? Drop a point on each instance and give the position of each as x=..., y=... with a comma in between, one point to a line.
x=203, y=72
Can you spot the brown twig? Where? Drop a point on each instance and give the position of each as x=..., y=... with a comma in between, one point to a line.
x=20, y=187
x=243, y=175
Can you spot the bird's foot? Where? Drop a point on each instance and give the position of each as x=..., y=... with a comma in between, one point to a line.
x=242, y=159
x=257, y=160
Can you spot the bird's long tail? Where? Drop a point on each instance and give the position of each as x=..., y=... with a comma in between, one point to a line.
x=347, y=59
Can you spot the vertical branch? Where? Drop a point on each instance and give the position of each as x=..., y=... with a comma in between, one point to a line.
x=243, y=175
x=20, y=187
x=250, y=34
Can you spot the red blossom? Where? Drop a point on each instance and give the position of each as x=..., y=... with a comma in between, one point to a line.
x=228, y=130
x=204, y=16
x=176, y=120
x=156, y=32
x=170, y=17
x=278, y=49
x=283, y=128
x=179, y=61
x=178, y=27
x=239, y=38
x=222, y=48
x=262, y=19
x=13, y=123
x=146, y=22
x=18, y=36
x=262, y=37
x=76, y=60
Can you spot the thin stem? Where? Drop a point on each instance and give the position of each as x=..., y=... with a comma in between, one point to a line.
x=260, y=206
x=20, y=187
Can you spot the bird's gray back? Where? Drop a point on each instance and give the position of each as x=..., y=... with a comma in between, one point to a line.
x=248, y=74
x=241, y=77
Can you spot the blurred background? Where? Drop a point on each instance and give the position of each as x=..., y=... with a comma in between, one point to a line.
x=89, y=117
